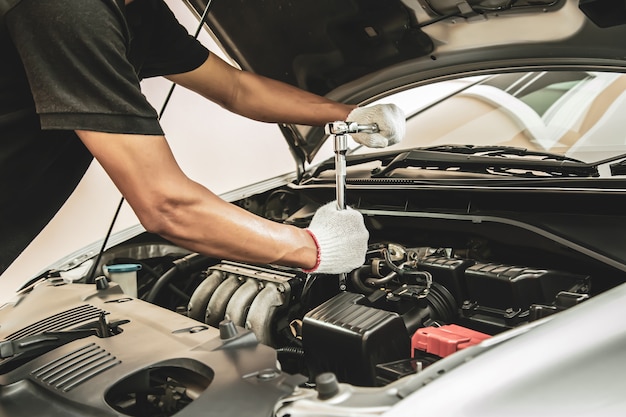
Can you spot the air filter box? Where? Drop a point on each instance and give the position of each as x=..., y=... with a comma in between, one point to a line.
x=350, y=339
x=505, y=286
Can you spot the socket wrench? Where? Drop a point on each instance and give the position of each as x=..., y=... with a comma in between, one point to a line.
x=340, y=131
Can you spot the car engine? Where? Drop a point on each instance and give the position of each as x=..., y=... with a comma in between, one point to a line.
x=209, y=337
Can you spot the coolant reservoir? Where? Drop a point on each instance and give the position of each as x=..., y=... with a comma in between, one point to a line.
x=125, y=275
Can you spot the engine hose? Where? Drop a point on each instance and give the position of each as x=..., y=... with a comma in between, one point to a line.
x=292, y=359
x=161, y=283
x=374, y=282
x=358, y=282
x=440, y=306
x=305, y=298
x=442, y=303
x=289, y=336
x=185, y=264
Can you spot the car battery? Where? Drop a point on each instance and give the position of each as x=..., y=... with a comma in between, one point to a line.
x=350, y=339
x=445, y=340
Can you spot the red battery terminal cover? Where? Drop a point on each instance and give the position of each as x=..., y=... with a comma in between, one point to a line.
x=445, y=340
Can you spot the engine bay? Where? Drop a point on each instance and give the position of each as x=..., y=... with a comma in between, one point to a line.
x=200, y=332
x=402, y=310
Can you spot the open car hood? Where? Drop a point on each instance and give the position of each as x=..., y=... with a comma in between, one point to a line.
x=340, y=49
x=495, y=273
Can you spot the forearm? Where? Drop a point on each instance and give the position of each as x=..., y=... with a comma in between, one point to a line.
x=258, y=97
x=170, y=204
x=207, y=224
x=264, y=99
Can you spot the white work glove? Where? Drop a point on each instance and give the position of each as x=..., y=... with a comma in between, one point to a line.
x=341, y=239
x=391, y=123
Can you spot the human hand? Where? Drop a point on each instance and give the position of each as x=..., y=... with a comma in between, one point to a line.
x=390, y=120
x=341, y=239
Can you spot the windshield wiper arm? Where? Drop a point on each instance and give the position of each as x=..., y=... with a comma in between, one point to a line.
x=491, y=160
x=497, y=150
x=618, y=168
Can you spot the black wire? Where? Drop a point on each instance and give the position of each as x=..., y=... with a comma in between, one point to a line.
x=439, y=19
x=195, y=36
x=106, y=239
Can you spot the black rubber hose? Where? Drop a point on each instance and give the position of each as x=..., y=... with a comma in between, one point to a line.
x=293, y=350
x=374, y=282
x=358, y=282
x=161, y=283
x=442, y=303
x=189, y=263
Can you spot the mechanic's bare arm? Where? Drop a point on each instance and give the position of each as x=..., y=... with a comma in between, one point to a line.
x=170, y=204
x=258, y=97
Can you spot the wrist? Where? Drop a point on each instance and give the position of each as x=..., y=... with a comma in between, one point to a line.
x=346, y=110
x=318, y=257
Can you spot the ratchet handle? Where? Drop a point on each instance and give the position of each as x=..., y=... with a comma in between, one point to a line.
x=340, y=131
x=346, y=128
x=340, y=145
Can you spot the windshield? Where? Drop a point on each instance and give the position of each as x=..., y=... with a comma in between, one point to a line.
x=577, y=114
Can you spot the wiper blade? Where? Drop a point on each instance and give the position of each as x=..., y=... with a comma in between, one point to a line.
x=618, y=168
x=494, y=160
x=493, y=150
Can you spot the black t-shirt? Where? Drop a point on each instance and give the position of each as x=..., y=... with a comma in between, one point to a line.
x=66, y=65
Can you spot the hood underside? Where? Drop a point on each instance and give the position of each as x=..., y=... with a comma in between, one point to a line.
x=358, y=50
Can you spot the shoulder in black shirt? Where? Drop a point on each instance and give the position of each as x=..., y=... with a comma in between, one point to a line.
x=74, y=64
